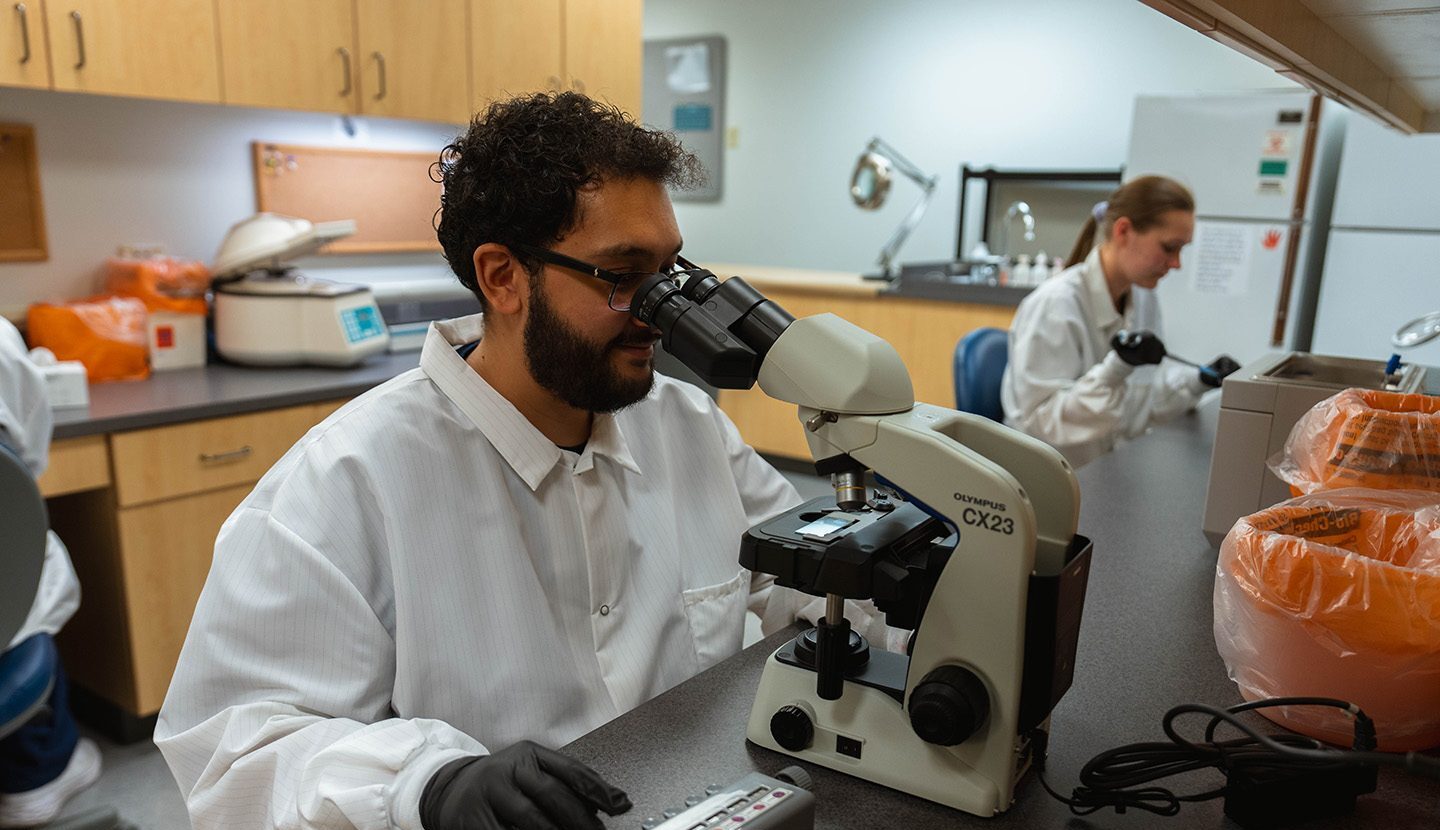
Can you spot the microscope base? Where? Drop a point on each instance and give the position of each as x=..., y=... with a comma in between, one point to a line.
x=896, y=758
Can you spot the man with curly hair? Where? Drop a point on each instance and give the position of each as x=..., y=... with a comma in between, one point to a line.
x=495, y=553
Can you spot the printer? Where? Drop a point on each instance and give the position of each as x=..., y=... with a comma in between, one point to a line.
x=1260, y=403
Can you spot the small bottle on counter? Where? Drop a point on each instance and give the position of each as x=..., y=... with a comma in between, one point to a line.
x=1020, y=274
x=1040, y=271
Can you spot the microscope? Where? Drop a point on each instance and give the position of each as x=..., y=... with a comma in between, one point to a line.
x=968, y=540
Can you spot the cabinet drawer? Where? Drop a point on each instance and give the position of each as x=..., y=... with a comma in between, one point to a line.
x=76, y=464
x=169, y=461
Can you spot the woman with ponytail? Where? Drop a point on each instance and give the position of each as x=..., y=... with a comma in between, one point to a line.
x=1085, y=346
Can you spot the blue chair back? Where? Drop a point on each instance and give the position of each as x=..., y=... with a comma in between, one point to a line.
x=980, y=359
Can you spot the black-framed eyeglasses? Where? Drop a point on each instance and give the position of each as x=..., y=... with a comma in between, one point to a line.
x=622, y=283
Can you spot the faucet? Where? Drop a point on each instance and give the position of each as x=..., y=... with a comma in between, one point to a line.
x=1021, y=209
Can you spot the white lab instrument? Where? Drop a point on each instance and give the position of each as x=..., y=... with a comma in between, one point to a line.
x=1259, y=405
x=995, y=617
x=66, y=384
x=269, y=314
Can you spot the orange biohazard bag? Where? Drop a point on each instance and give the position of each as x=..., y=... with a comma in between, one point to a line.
x=1337, y=594
x=162, y=283
x=1364, y=438
x=107, y=334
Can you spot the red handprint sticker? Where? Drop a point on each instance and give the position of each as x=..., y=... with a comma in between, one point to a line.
x=1271, y=239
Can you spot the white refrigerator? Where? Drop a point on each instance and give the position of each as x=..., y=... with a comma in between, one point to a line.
x=1263, y=187
x=1382, y=265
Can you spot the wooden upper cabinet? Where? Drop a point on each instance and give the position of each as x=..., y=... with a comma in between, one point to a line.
x=289, y=54
x=515, y=48
x=413, y=61
x=603, y=50
x=24, y=52
x=148, y=48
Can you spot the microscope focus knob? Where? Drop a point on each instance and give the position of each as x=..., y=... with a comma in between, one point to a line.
x=791, y=728
x=948, y=706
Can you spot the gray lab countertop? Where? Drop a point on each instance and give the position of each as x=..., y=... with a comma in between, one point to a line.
x=220, y=389
x=1145, y=646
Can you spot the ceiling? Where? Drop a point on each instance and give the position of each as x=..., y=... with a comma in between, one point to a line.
x=1402, y=37
x=1381, y=57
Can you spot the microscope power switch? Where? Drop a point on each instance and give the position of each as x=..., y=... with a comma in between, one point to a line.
x=948, y=706
x=791, y=728
x=755, y=802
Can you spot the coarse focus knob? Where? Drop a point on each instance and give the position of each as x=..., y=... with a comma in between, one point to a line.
x=796, y=776
x=948, y=706
x=791, y=728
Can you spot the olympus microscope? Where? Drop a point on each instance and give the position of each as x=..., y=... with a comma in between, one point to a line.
x=969, y=540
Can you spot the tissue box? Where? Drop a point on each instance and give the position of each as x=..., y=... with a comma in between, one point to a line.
x=176, y=341
x=65, y=384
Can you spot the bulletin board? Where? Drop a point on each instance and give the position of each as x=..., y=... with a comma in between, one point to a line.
x=390, y=195
x=22, y=217
x=685, y=93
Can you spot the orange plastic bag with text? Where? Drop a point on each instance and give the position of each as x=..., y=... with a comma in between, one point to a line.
x=107, y=334
x=162, y=283
x=1337, y=594
x=1364, y=438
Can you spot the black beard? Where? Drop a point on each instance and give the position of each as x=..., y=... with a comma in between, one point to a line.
x=572, y=368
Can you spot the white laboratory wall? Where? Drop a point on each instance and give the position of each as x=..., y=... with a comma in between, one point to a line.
x=1015, y=83
x=1009, y=83
x=117, y=171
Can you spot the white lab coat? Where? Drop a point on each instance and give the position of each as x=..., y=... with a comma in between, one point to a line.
x=1064, y=384
x=26, y=420
x=426, y=576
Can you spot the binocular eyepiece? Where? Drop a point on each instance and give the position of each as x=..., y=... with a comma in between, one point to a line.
x=722, y=330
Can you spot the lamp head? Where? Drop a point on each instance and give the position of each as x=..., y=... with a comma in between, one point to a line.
x=870, y=182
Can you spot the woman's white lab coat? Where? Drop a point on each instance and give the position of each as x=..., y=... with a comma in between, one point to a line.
x=25, y=420
x=1064, y=384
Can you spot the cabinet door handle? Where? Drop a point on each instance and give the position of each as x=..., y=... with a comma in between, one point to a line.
x=345, y=60
x=24, y=31
x=233, y=455
x=380, y=64
x=79, y=38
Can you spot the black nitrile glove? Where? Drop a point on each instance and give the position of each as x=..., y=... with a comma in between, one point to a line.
x=525, y=787
x=1138, y=348
x=1217, y=370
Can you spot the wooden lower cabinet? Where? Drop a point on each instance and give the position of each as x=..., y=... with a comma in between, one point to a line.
x=142, y=565
x=141, y=570
x=76, y=464
x=166, y=549
x=924, y=332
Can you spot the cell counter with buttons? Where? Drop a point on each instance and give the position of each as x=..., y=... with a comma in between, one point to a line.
x=1146, y=645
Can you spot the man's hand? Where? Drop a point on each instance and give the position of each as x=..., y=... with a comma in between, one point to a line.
x=1217, y=370
x=1138, y=348
x=525, y=786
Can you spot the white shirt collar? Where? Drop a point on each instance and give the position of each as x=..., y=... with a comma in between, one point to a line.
x=1098, y=293
x=524, y=447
